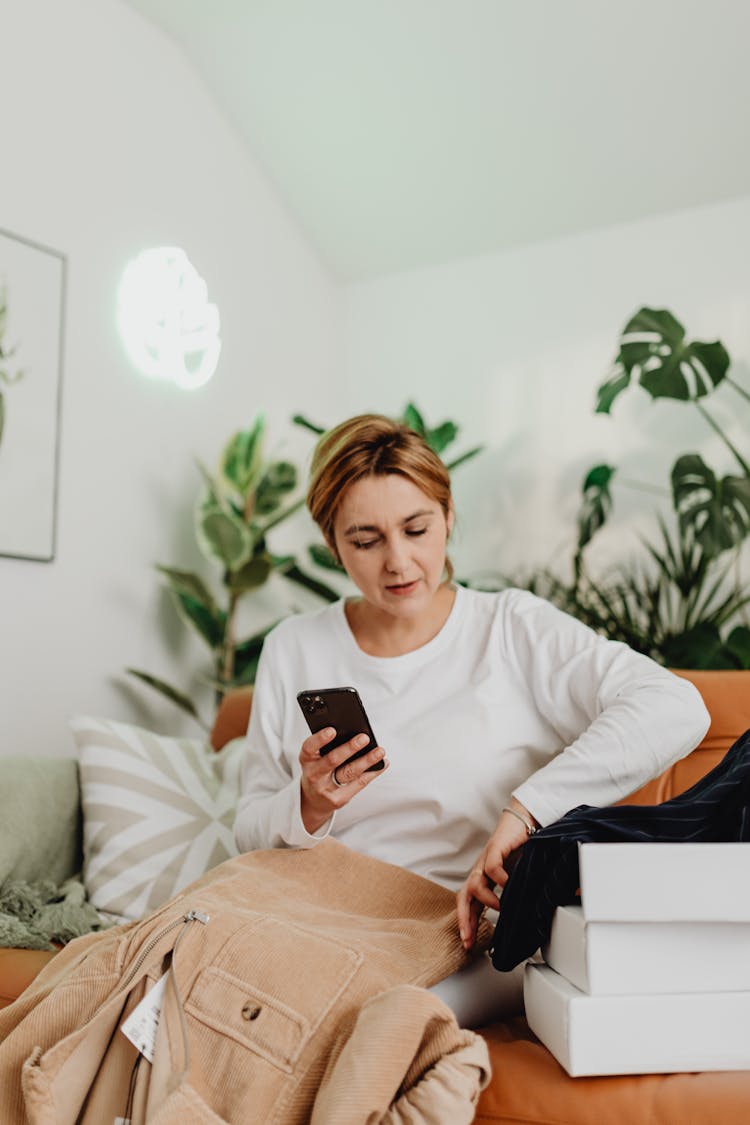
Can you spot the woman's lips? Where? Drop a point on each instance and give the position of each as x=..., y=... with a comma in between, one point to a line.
x=405, y=588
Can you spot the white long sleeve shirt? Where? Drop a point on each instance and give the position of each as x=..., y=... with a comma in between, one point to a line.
x=511, y=697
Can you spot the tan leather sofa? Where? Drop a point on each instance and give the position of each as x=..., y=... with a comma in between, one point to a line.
x=528, y=1086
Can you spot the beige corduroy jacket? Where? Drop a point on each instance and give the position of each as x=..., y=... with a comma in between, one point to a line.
x=296, y=992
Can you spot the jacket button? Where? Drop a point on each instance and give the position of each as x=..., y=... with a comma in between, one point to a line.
x=251, y=1012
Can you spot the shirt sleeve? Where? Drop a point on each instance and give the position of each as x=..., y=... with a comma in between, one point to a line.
x=268, y=811
x=622, y=718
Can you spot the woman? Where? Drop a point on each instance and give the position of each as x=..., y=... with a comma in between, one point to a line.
x=497, y=712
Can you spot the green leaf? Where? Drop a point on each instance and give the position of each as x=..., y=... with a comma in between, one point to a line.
x=738, y=645
x=210, y=622
x=323, y=556
x=173, y=694
x=597, y=502
x=309, y=583
x=252, y=575
x=225, y=537
x=187, y=582
x=300, y=420
x=279, y=478
x=606, y=394
x=279, y=517
x=716, y=512
x=441, y=436
x=213, y=497
x=653, y=350
x=246, y=658
x=282, y=562
x=451, y=465
x=414, y=419
x=242, y=457
x=697, y=648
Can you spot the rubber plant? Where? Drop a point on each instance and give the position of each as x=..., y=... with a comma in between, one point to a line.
x=238, y=509
x=682, y=604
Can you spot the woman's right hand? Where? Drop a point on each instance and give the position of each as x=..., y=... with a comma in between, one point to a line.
x=321, y=796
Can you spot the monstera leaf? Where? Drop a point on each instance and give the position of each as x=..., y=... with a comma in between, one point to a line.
x=717, y=512
x=597, y=503
x=653, y=351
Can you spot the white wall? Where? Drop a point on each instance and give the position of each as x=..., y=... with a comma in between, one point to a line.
x=110, y=144
x=513, y=346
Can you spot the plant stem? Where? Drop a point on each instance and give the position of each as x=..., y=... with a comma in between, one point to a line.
x=740, y=390
x=226, y=671
x=715, y=426
x=284, y=514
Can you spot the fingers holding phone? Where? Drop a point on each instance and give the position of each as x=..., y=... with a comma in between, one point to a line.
x=340, y=757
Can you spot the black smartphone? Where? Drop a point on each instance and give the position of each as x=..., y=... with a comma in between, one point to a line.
x=342, y=709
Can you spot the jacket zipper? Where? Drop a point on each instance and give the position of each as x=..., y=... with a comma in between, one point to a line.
x=183, y=920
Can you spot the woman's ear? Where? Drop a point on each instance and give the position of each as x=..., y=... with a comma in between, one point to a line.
x=450, y=519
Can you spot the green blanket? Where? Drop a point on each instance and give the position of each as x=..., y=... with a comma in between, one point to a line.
x=42, y=915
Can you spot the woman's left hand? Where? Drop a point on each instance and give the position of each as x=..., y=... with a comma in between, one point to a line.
x=490, y=871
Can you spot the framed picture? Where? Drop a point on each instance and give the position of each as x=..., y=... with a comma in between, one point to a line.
x=32, y=297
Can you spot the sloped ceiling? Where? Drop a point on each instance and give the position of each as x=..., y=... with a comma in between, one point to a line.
x=406, y=133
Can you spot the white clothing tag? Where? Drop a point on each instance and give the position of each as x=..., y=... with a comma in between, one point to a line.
x=122, y=1121
x=140, y=1026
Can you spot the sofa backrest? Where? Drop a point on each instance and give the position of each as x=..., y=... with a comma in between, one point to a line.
x=727, y=697
x=725, y=693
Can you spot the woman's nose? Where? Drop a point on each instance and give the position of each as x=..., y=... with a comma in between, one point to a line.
x=396, y=556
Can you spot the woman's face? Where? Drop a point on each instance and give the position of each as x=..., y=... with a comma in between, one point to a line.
x=391, y=539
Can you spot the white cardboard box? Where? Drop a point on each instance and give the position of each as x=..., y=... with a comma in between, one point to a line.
x=592, y=1035
x=665, y=882
x=624, y=958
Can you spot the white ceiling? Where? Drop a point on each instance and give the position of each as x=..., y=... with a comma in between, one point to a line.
x=405, y=133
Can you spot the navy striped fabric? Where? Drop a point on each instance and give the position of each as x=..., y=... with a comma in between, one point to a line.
x=716, y=808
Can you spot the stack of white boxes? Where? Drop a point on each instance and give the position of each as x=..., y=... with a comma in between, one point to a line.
x=651, y=973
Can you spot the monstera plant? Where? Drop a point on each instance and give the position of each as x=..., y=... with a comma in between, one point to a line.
x=684, y=606
x=238, y=509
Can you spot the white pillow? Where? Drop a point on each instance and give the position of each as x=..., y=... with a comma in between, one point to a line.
x=157, y=812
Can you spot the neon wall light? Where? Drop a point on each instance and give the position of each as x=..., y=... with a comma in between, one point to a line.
x=168, y=326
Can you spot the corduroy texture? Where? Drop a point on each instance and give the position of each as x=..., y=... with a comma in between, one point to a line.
x=304, y=937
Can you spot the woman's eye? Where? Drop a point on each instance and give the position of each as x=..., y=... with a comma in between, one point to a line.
x=364, y=544
x=416, y=531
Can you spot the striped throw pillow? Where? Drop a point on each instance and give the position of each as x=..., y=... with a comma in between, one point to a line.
x=157, y=812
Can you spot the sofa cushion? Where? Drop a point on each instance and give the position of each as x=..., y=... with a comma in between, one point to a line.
x=157, y=812
x=18, y=968
x=40, y=819
x=529, y=1087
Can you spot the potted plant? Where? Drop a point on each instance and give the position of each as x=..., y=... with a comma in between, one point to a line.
x=681, y=604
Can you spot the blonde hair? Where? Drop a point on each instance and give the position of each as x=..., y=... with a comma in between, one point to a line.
x=372, y=445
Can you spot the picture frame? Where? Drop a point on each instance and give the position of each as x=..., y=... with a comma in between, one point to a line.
x=32, y=317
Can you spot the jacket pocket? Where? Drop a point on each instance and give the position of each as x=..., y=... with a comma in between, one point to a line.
x=255, y=1015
